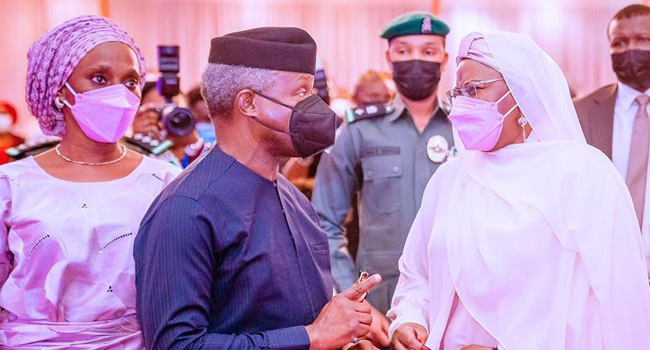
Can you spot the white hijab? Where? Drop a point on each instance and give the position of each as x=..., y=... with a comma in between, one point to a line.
x=508, y=207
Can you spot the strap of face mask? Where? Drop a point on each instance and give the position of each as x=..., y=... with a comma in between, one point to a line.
x=74, y=93
x=274, y=100
x=510, y=111
x=502, y=98
x=266, y=125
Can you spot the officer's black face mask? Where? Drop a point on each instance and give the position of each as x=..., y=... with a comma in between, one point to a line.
x=312, y=125
x=416, y=79
x=632, y=68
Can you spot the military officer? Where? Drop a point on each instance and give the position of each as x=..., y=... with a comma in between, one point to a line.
x=386, y=154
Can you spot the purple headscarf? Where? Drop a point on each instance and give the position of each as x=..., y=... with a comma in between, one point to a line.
x=53, y=57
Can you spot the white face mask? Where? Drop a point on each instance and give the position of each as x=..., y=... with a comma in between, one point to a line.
x=6, y=121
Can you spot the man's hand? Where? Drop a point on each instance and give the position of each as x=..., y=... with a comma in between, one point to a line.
x=378, y=334
x=409, y=336
x=361, y=345
x=343, y=319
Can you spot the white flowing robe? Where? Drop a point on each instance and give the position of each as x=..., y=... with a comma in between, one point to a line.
x=539, y=241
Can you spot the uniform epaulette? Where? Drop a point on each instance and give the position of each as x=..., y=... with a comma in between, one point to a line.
x=32, y=148
x=147, y=145
x=377, y=110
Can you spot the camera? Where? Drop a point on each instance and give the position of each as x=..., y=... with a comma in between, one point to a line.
x=177, y=121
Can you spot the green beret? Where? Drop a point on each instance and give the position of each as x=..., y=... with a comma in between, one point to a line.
x=414, y=23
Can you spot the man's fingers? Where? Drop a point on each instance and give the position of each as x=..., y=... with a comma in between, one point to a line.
x=366, y=345
x=362, y=330
x=383, y=322
x=363, y=307
x=356, y=291
x=385, y=325
x=361, y=345
x=382, y=339
x=382, y=325
x=365, y=319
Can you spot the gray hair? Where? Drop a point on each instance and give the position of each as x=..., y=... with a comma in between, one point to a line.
x=221, y=83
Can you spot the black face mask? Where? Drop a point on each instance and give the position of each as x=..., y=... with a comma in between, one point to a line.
x=312, y=126
x=632, y=68
x=416, y=79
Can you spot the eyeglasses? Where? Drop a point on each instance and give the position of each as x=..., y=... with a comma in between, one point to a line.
x=468, y=89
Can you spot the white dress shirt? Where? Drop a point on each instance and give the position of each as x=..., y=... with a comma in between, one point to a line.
x=624, y=113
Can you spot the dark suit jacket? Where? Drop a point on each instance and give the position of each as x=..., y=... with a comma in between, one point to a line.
x=596, y=115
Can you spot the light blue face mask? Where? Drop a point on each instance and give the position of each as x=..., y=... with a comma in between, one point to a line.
x=206, y=132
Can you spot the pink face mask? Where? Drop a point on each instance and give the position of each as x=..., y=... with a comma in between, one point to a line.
x=479, y=123
x=104, y=114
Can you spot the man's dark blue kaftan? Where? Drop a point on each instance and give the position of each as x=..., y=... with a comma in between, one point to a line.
x=226, y=259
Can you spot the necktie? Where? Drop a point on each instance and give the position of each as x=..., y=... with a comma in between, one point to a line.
x=637, y=166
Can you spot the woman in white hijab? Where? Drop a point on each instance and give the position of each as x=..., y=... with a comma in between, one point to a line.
x=529, y=240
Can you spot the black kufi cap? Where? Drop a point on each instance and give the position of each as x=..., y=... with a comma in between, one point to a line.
x=276, y=48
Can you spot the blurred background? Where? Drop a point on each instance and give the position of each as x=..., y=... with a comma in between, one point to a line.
x=573, y=32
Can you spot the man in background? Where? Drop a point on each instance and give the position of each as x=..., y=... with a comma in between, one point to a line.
x=373, y=87
x=614, y=118
x=199, y=109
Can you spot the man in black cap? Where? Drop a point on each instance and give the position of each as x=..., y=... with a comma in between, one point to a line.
x=230, y=255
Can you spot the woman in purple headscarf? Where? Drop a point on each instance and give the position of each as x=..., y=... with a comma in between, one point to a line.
x=529, y=240
x=70, y=214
